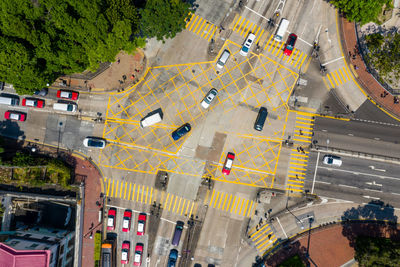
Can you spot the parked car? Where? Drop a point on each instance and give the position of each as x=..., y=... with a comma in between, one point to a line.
x=67, y=94
x=141, y=226
x=210, y=96
x=112, y=213
x=42, y=92
x=332, y=160
x=181, y=131
x=33, y=102
x=247, y=44
x=172, y=258
x=230, y=157
x=289, y=46
x=137, y=260
x=125, y=252
x=126, y=221
x=15, y=115
x=95, y=142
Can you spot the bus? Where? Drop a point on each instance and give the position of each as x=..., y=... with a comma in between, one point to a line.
x=108, y=254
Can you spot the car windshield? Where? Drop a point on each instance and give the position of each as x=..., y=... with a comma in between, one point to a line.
x=14, y=116
x=228, y=164
x=289, y=47
x=137, y=256
x=66, y=94
x=30, y=102
x=245, y=49
x=95, y=143
x=140, y=226
x=330, y=160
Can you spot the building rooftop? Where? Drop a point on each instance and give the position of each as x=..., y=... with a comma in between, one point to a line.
x=10, y=257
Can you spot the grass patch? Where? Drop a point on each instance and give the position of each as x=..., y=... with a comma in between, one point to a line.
x=294, y=261
x=97, y=249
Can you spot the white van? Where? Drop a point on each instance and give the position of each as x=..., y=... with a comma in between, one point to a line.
x=10, y=101
x=151, y=119
x=223, y=59
x=71, y=107
x=281, y=30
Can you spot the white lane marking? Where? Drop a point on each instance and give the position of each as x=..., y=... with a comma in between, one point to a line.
x=374, y=190
x=283, y=230
x=395, y=193
x=375, y=169
x=373, y=183
x=304, y=41
x=349, y=186
x=366, y=174
x=371, y=197
x=324, y=130
x=255, y=12
x=350, y=134
x=333, y=60
x=315, y=173
x=321, y=182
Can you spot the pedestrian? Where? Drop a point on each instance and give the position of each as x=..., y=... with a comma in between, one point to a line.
x=355, y=67
x=118, y=61
x=349, y=53
x=298, y=149
x=354, y=57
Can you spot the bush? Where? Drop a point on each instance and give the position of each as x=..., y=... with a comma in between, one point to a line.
x=58, y=172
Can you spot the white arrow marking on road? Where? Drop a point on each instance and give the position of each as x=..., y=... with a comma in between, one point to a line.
x=373, y=183
x=372, y=197
x=375, y=169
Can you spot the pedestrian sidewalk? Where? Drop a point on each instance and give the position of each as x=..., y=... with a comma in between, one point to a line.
x=124, y=72
x=92, y=203
x=375, y=92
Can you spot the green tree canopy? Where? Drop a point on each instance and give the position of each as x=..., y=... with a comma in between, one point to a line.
x=164, y=18
x=377, y=252
x=41, y=40
x=361, y=11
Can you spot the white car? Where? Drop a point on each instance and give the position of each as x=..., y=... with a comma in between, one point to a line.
x=332, y=160
x=210, y=96
x=94, y=142
x=247, y=44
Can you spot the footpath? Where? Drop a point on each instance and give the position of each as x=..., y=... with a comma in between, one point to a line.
x=374, y=91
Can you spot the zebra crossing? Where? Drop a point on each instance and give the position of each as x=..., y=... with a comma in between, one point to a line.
x=148, y=195
x=262, y=237
x=299, y=157
x=339, y=76
x=230, y=203
x=243, y=27
x=201, y=27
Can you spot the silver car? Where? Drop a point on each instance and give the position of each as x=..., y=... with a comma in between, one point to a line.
x=210, y=96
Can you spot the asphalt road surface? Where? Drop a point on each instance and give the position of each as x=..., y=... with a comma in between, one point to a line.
x=359, y=180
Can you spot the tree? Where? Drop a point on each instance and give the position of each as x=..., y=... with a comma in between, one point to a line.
x=372, y=251
x=361, y=11
x=41, y=40
x=164, y=18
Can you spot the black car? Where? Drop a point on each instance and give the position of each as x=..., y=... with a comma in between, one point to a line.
x=181, y=131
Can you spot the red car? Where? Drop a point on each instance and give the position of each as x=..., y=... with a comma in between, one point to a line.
x=125, y=252
x=137, y=259
x=67, y=94
x=289, y=46
x=228, y=163
x=15, y=115
x=112, y=213
x=141, y=223
x=126, y=223
x=32, y=102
